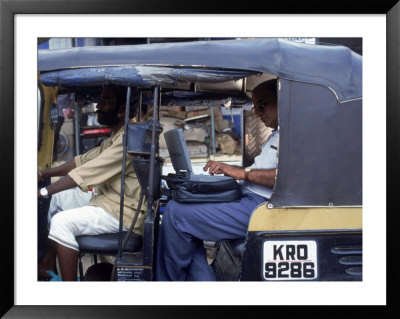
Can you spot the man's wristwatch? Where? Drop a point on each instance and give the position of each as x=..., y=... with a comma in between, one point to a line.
x=247, y=170
x=44, y=193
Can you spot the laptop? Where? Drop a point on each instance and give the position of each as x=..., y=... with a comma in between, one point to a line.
x=180, y=158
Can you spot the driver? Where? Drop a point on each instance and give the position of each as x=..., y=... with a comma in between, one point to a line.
x=100, y=167
x=181, y=255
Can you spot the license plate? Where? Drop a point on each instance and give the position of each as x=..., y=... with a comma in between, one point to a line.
x=290, y=260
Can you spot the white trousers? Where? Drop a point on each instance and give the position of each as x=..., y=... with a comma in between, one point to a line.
x=68, y=199
x=69, y=220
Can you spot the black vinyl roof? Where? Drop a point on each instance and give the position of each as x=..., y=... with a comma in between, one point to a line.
x=336, y=67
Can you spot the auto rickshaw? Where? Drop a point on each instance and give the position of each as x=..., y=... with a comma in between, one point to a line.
x=311, y=228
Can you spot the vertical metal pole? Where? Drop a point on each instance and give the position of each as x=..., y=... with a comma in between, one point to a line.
x=212, y=129
x=156, y=99
x=159, y=104
x=122, y=195
x=148, y=231
x=77, y=129
x=140, y=105
x=242, y=133
x=243, y=122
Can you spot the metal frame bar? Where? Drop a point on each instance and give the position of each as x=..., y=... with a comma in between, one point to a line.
x=77, y=128
x=122, y=196
x=148, y=232
x=213, y=150
x=153, y=152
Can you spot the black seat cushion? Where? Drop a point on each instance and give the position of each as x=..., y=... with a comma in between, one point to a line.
x=228, y=259
x=108, y=243
x=238, y=247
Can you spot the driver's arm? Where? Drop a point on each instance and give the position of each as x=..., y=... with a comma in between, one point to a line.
x=68, y=166
x=62, y=184
x=61, y=170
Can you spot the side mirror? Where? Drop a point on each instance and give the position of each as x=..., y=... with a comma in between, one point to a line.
x=139, y=137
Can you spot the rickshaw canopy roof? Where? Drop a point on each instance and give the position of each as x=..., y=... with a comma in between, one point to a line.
x=168, y=64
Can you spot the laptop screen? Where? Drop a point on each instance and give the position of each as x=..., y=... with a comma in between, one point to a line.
x=177, y=150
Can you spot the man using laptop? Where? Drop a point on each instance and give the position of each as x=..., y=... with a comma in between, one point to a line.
x=181, y=255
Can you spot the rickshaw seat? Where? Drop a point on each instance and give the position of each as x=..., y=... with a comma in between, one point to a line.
x=238, y=247
x=107, y=244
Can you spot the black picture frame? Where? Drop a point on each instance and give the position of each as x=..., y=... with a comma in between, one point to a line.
x=8, y=9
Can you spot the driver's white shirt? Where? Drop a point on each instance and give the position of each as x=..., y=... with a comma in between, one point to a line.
x=267, y=159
